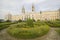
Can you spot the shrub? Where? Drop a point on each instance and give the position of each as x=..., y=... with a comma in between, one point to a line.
x=20, y=20
x=5, y=25
x=39, y=23
x=53, y=23
x=33, y=20
x=29, y=22
x=19, y=25
x=8, y=21
x=1, y=20
x=57, y=19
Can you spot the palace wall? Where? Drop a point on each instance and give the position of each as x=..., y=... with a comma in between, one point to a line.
x=45, y=15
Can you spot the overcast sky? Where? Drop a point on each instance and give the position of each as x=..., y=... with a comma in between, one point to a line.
x=14, y=6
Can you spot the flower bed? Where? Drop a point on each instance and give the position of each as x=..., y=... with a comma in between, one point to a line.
x=28, y=32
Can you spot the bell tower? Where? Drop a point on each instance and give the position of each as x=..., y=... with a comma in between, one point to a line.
x=23, y=10
x=33, y=8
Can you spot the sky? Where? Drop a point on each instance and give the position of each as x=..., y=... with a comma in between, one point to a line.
x=14, y=6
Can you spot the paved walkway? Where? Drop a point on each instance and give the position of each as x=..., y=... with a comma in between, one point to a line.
x=52, y=35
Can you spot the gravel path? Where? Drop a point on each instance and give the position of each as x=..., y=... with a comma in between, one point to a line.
x=52, y=35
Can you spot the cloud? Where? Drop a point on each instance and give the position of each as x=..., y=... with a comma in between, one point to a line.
x=15, y=6
x=48, y=5
x=33, y=1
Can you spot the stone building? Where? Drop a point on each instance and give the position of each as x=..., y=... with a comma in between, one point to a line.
x=44, y=15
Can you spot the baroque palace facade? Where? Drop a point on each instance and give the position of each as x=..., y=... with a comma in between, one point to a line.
x=45, y=15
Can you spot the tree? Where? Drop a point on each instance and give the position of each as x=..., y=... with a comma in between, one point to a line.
x=19, y=20
x=8, y=21
x=29, y=22
x=40, y=12
x=33, y=20
x=1, y=20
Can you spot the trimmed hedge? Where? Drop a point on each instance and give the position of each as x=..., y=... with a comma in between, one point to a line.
x=5, y=25
x=53, y=23
x=28, y=32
